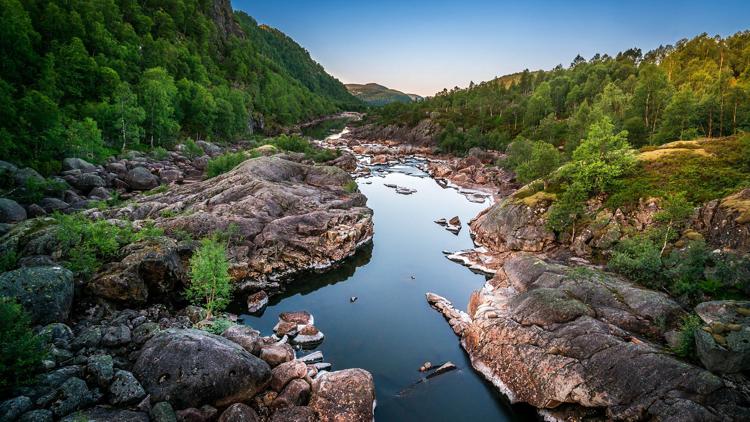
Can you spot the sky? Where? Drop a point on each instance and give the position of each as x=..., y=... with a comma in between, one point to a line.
x=423, y=46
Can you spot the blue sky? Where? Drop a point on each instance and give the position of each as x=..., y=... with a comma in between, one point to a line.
x=424, y=46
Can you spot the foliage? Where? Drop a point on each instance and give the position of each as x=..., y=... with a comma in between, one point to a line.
x=639, y=259
x=218, y=326
x=686, y=340
x=223, y=163
x=87, y=243
x=159, y=153
x=541, y=162
x=21, y=351
x=597, y=164
x=697, y=87
x=351, y=187
x=295, y=143
x=8, y=260
x=210, y=284
x=83, y=78
x=192, y=149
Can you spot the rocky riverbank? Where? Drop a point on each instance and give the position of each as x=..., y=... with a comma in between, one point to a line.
x=122, y=344
x=150, y=364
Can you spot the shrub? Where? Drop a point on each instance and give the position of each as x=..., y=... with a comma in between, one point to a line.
x=159, y=153
x=87, y=242
x=223, y=163
x=218, y=326
x=543, y=160
x=351, y=186
x=8, y=260
x=639, y=259
x=21, y=351
x=192, y=149
x=209, y=273
x=686, y=340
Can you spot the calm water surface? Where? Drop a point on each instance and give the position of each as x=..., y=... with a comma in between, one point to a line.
x=391, y=330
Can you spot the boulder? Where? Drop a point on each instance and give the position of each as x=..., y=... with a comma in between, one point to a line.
x=150, y=268
x=257, y=302
x=35, y=210
x=125, y=389
x=276, y=354
x=46, y=293
x=297, y=317
x=725, y=222
x=347, y=395
x=22, y=177
x=239, y=412
x=295, y=414
x=105, y=414
x=78, y=164
x=100, y=370
x=72, y=395
x=209, y=148
x=50, y=205
x=163, y=412
x=723, y=345
x=515, y=224
x=85, y=182
x=205, y=414
x=39, y=415
x=245, y=336
x=12, y=409
x=99, y=193
x=295, y=393
x=308, y=337
x=7, y=169
x=10, y=211
x=116, y=335
x=285, y=372
x=139, y=178
x=58, y=334
x=191, y=367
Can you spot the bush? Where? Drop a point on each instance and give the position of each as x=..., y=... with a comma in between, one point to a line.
x=159, y=153
x=192, y=149
x=351, y=187
x=21, y=351
x=543, y=160
x=224, y=163
x=8, y=261
x=209, y=273
x=86, y=243
x=218, y=326
x=639, y=259
x=686, y=340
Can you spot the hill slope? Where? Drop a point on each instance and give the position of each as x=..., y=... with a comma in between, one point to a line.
x=80, y=76
x=379, y=95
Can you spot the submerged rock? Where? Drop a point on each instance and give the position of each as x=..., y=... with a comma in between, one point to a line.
x=257, y=302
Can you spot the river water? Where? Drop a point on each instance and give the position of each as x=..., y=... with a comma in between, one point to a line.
x=390, y=330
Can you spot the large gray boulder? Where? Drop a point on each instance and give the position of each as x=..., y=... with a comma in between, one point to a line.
x=85, y=182
x=22, y=177
x=10, y=211
x=78, y=164
x=139, y=178
x=189, y=368
x=46, y=293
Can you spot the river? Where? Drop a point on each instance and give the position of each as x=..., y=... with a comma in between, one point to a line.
x=390, y=330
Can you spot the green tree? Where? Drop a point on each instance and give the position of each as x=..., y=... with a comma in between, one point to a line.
x=85, y=140
x=21, y=351
x=543, y=160
x=128, y=116
x=210, y=283
x=158, y=93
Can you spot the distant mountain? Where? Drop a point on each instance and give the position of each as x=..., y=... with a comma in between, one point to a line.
x=379, y=95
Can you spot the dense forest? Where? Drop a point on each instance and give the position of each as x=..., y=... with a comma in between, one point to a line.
x=90, y=77
x=695, y=88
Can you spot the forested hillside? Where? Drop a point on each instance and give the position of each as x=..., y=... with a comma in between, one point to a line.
x=695, y=88
x=379, y=95
x=88, y=77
